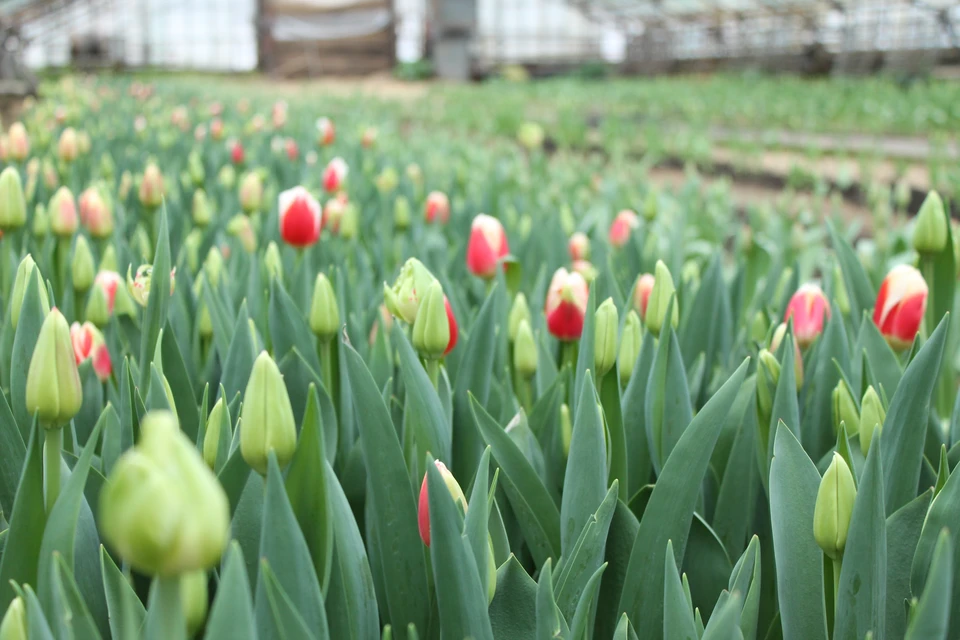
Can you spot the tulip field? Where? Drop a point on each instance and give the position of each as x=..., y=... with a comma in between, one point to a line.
x=280, y=364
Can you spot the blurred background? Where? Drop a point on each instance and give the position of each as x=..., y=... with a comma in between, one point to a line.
x=462, y=39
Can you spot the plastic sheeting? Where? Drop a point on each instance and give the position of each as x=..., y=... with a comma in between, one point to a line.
x=330, y=26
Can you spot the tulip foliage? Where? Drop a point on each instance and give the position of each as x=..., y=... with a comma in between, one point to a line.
x=418, y=411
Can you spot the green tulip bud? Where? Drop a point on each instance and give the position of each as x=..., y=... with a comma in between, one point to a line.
x=930, y=229
x=840, y=291
x=161, y=508
x=211, y=438
x=630, y=343
x=108, y=261
x=14, y=625
x=690, y=274
x=13, y=203
x=491, y=572
x=768, y=375
x=28, y=269
x=240, y=228
x=387, y=180
x=606, y=323
x=195, y=168
x=191, y=247
x=403, y=298
x=266, y=420
x=204, y=321
x=759, y=327
x=324, y=311
x=201, y=208
x=525, y=351
x=650, y=205
x=227, y=176
x=663, y=291
x=272, y=262
x=251, y=192
x=141, y=241
x=194, y=599
x=566, y=429
x=53, y=382
x=401, y=213
x=519, y=312
x=63, y=213
x=108, y=168
x=872, y=415
x=834, y=506
x=349, y=220
x=531, y=136
x=41, y=221
x=431, y=328
x=213, y=266
x=97, y=310
x=82, y=264
x=845, y=408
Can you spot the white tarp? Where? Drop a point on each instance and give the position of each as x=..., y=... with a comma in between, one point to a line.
x=330, y=26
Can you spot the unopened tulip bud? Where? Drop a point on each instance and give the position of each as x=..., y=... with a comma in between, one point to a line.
x=300, y=217
x=660, y=297
x=579, y=246
x=641, y=293
x=200, y=209
x=41, y=221
x=272, y=262
x=97, y=310
x=126, y=183
x=139, y=286
x=14, y=625
x=401, y=213
x=51, y=179
x=431, y=328
x=326, y=132
x=930, y=228
x=845, y=408
x=266, y=419
x=161, y=508
x=387, y=180
x=566, y=305
x=13, y=203
x=213, y=266
x=606, y=324
x=227, y=177
x=630, y=343
x=778, y=335
x=151, y=187
x=525, y=355
x=28, y=269
x=19, y=142
x=690, y=274
x=423, y=511
x=95, y=213
x=211, y=438
x=768, y=375
x=195, y=168
x=349, y=221
x=108, y=261
x=566, y=429
x=901, y=304
x=240, y=228
x=68, y=146
x=759, y=326
x=53, y=382
x=650, y=205
x=82, y=264
x=89, y=344
x=63, y=213
x=335, y=175
x=834, y=507
x=204, y=321
x=486, y=247
x=530, y=135
x=872, y=415
x=403, y=298
x=324, y=311
x=194, y=600
x=519, y=312
x=623, y=225
x=437, y=207
x=251, y=192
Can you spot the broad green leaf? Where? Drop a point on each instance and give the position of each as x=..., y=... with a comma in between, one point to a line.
x=288, y=327
x=668, y=410
x=460, y=597
x=817, y=432
x=624, y=630
x=859, y=290
x=903, y=448
x=639, y=464
x=283, y=546
x=785, y=408
x=37, y=624
x=725, y=621
x=620, y=539
x=931, y=616
x=585, y=482
x=286, y=621
x=583, y=614
x=713, y=340
x=165, y=619
x=745, y=580
x=12, y=455
x=24, y=341
x=883, y=362
x=238, y=361
x=155, y=315
x=69, y=609
x=903, y=532
x=671, y=506
x=180, y=384
x=513, y=612
x=476, y=525
x=677, y=615
x=231, y=617
x=861, y=599
x=536, y=512
x=613, y=420
x=794, y=482
x=706, y=564
x=550, y=624
x=585, y=351
x=738, y=486
x=126, y=610
x=393, y=502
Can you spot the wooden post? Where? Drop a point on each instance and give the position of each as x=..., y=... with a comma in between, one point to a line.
x=263, y=29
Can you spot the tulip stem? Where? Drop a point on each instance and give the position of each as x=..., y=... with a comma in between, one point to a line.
x=525, y=392
x=837, y=566
x=326, y=358
x=53, y=442
x=433, y=370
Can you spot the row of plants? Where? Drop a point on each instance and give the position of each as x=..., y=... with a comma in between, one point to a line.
x=304, y=370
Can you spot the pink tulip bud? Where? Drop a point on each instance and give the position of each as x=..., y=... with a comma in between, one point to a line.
x=807, y=307
x=88, y=342
x=293, y=151
x=579, y=246
x=901, y=304
x=19, y=142
x=236, y=152
x=327, y=132
x=151, y=187
x=423, y=513
x=333, y=212
x=67, y=148
x=279, y=114
x=437, y=208
x=486, y=247
x=623, y=225
x=95, y=214
x=335, y=175
x=4, y=148
x=200, y=133
x=369, y=137
x=300, y=217
x=216, y=129
x=641, y=293
x=109, y=281
x=216, y=108
x=454, y=328
x=63, y=213
x=60, y=114
x=566, y=304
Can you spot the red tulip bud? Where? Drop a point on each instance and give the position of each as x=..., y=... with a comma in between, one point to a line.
x=487, y=245
x=88, y=342
x=623, y=225
x=807, y=307
x=423, y=514
x=901, y=304
x=335, y=175
x=299, y=217
x=566, y=304
x=437, y=208
x=641, y=294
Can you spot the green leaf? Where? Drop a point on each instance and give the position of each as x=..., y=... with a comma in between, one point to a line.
x=585, y=351
x=582, y=616
x=351, y=601
x=287, y=623
x=585, y=482
x=861, y=598
x=639, y=464
x=69, y=609
x=903, y=451
x=931, y=616
x=126, y=610
x=817, y=432
x=238, y=361
x=165, y=619
x=706, y=565
x=307, y=490
x=288, y=327
x=155, y=315
x=24, y=341
x=12, y=455
x=612, y=418
x=624, y=630
x=283, y=546
x=393, y=502
x=785, y=408
x=713, y=340
x=231, y=617
x=738, y=486
x=476, y=523
x=620, y=539
x=550, y=624
x=513, y=612
x=460, y=598
x=223, y=335
x=858, y=287
x=903, y=532
x=794, y=482
x=180, y=384
x=725, y=621
x=668, y=410
x=883, y=362
x=535, y=510
x=36, y=621
x=21, y=553
x=670, y=509
x=745, y=580
x=677, y=615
